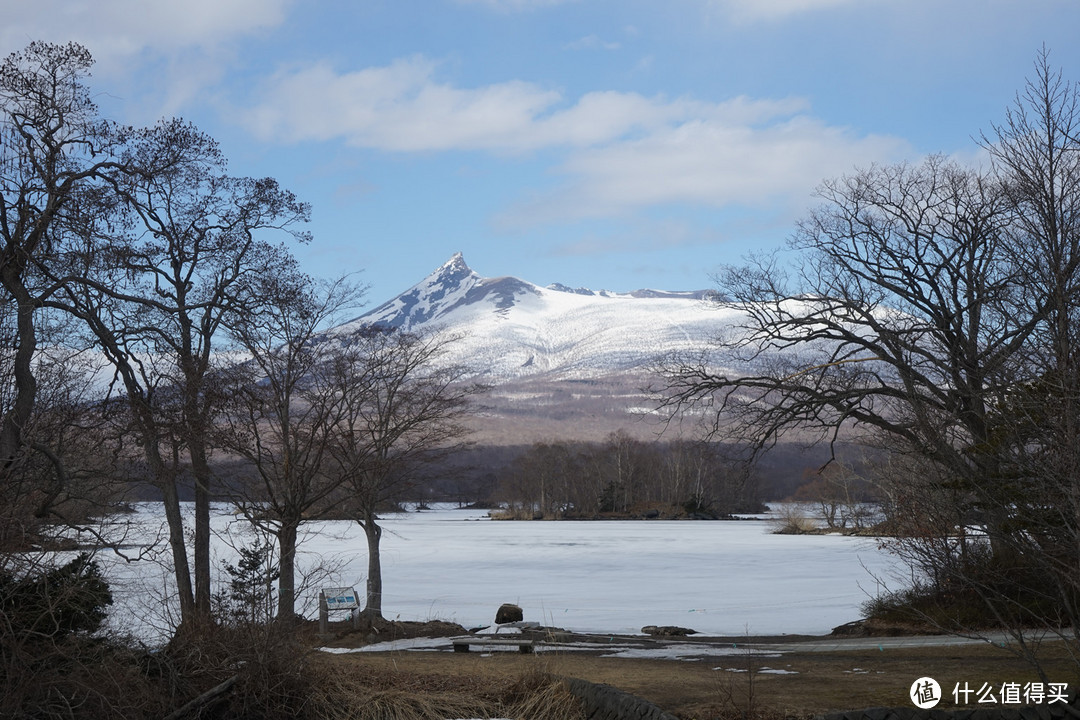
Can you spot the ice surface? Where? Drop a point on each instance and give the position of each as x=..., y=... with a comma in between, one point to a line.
x=719, y=578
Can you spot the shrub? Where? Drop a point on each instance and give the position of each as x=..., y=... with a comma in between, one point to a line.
x=250, y=597
x=52, y=665
x=973, y=590
x=56, y=601
x=791, y=521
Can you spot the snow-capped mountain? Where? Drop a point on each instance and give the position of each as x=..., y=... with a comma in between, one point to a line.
x=514, y=329
x=562, y=362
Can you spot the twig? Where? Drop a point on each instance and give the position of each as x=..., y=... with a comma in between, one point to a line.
x=205, y=699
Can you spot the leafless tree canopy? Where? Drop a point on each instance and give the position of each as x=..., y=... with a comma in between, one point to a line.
x=402, y=406
x=932, y=309
x=281, y=408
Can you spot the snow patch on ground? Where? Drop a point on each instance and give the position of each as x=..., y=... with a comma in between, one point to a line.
x=693, y=651
x=421, y=643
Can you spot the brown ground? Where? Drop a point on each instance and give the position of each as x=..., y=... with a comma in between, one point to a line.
x=726, y=686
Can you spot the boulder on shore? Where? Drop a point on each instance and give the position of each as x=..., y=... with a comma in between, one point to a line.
x=508, y=613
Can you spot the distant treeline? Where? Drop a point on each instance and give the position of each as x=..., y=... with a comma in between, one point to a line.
x=617, y=475
x=624, y=476
x=621, y=468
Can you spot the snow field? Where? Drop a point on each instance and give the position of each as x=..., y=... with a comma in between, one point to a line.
x=719, y=578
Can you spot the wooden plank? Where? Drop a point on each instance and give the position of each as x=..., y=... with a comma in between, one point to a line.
x=525, y=646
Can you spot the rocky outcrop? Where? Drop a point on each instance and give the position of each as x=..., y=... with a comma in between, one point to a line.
x=667, y=631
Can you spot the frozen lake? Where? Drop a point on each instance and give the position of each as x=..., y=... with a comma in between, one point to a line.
x=719, y=578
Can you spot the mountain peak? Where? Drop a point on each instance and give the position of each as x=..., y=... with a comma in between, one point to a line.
x=452, y=273
x=456, y=263
x=446, y=287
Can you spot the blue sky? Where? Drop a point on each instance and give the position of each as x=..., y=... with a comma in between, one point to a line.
x=615, y=144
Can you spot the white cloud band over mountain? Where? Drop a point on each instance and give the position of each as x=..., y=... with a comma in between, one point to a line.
x=623, y=151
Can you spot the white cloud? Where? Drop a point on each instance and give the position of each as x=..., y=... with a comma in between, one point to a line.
x=515, y=5
x=593, y=42
x=170, y=52
x=397, y=107
x=707, y=162
x=766, y=10
x=624, y=151
x=114, y=29
x=402, y=107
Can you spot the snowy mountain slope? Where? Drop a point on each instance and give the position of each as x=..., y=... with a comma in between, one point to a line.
x=515, y=329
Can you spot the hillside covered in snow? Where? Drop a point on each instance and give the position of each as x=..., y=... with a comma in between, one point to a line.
x=513, y=329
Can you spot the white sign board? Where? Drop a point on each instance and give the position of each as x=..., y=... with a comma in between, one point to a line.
x=341, y=598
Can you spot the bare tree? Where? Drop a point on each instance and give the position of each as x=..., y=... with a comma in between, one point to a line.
x=55, y=152
x=403, y=405
x=198, y=244
x=845, y=499
x=934, y=312
x=893, y=321
x=1027, y=573
x=141, y=236
x=546, y=481
x=283, y=410
x=68, y=470
x=154, y=302
x=558, y=479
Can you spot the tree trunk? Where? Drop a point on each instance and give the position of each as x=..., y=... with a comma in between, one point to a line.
x=181, y=571
x=166, y=477
x=18, y=416
x=373, y=532
x=201, y=550
x=286, y=609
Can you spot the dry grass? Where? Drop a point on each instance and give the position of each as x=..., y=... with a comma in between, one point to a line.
x=709, y=688
x=538, y=695
x=515, y=514
x=384, y=691
x=791, y=521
